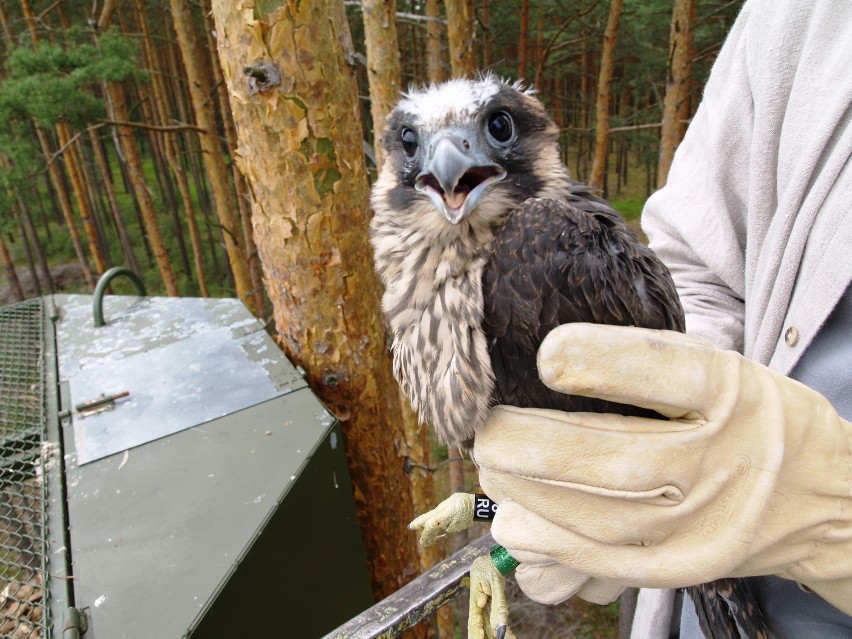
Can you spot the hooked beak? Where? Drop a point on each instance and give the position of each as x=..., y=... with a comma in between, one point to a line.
x=455, y=179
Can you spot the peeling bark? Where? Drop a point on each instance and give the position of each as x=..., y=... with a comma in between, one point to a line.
x=300, y=150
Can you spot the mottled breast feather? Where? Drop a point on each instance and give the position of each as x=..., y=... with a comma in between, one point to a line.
x=433, y=306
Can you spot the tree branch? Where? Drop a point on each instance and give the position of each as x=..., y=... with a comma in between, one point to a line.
x=165, y=128
x=151, y=127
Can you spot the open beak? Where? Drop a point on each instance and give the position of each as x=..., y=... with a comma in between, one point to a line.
x=455, y=178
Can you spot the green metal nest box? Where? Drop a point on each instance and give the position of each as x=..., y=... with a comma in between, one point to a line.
x=167, y=474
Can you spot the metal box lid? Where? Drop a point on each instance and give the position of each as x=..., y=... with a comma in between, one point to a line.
x=182, y=362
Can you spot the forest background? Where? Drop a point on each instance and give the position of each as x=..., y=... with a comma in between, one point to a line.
x=125, y=139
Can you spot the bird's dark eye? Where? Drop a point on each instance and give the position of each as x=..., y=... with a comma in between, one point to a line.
x=500, y=126
x=409, y=141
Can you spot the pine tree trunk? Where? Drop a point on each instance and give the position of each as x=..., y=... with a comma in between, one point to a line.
x=383, y=70
x=677, y=84
x=74, y=174
x=115, y=210
x=597, y=178
x=200, y=90
x=240, y=185
x=311, y=231
x=11, y=273
x=523, y=39
x=461, y=31
x=485, y=18
x=133, y=163
x=383, y=73
x=53, y=168
x=41, y=258
x=127, y=148
x=28, y=251
x=65, y=206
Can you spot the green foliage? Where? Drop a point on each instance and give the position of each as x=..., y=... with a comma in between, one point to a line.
x=629, y=208
x=59, y=82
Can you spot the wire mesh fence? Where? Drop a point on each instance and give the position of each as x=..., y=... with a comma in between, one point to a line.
x=23, y=558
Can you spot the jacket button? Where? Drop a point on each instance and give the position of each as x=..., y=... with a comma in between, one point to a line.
x=791, y=336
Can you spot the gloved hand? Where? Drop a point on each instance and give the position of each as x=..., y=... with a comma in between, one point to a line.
x=750, y=475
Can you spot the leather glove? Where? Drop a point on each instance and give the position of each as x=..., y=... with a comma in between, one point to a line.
x=750, y=475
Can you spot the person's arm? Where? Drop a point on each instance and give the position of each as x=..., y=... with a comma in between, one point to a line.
x=697, y=223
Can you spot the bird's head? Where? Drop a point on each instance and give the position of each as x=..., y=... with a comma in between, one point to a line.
x=466, y=151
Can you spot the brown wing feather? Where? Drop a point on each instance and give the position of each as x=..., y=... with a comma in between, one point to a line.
x=555, y=262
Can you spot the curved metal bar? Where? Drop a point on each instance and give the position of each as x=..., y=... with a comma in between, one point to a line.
x=100, y=290
x=414, y=602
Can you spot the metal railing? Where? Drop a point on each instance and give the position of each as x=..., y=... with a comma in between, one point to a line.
x=23, y=557
x=418, y=599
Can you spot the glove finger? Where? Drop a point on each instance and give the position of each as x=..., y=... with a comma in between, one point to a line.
x=675, y=563
x=548, y=582
x=600, y=591
x=592, y=453
x=602, y=517
x=676, y=375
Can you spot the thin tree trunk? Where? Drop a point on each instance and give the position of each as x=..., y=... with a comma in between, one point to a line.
x=28, y=251
x=383, y=73
x=53, y=167
x=461, y=32
x=523, y=39
x=187, y=149
x=678, y=76
x=311, y=231
x=84, y=162
x=128, y=149
x=240, y=185
x=133, y=164
x=9, y=267
x=200, y=90
x=65, y=206
x=383, y=70
x=157, y=111
x=599, y=164
x=79, y=189
x=115, y=210
x=41, y=258
x=485, y=17
x=169, y=145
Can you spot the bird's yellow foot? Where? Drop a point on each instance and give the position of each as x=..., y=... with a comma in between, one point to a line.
x=454, y=514
x=488, y=616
